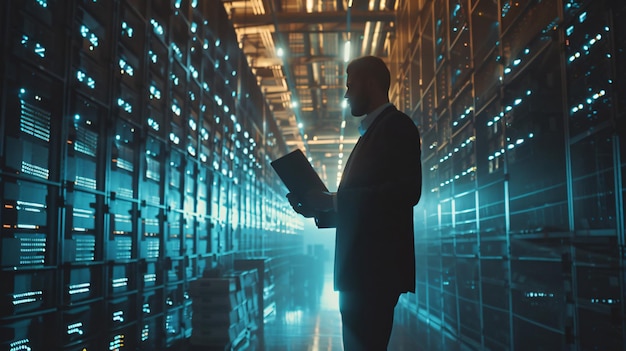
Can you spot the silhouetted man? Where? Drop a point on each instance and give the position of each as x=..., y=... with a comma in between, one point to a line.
x=372, y=210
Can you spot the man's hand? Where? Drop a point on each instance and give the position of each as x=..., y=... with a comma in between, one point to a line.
x=313, y=202
x=299, y=207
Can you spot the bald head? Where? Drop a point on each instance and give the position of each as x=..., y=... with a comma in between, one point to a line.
x=371, y=67
x=368, y=84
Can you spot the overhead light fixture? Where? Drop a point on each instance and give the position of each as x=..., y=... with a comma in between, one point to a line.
x=280, y=52
x=346, y=51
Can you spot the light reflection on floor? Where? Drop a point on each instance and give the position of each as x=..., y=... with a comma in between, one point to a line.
x=307, y=323
x=308, y=318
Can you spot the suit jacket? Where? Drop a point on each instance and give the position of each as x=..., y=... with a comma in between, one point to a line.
x=381, y=184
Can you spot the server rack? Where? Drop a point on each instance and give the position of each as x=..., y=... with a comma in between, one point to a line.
x=132, y=159
x=520, y=233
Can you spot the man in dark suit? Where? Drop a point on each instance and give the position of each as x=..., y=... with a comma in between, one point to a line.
x=372, y=210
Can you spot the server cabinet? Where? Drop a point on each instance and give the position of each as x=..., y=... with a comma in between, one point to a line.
x=123, y=149
x=531, y=105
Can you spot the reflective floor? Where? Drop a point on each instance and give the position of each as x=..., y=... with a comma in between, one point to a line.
x=309, y=321
x=306, y=322
x=307, y=317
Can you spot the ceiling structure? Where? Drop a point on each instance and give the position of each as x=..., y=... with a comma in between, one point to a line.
x=297, y=50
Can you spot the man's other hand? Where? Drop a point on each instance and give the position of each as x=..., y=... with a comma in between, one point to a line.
x=299, y=207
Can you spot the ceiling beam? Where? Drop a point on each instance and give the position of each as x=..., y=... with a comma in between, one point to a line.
x=241, y=20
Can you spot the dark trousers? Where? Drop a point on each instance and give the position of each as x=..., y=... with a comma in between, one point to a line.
x=367, y=318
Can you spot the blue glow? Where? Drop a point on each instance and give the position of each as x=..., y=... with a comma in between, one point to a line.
x=126, y=68
x=42, y=3
x=155, y=93
x=582, y=17
x=158, y=29
x=40, y=50
x=174, y=79
x=176, y=109
x=177, y=51
x=153, y=124
x=87, y=34
x=126, y=29
x=153, y=57
x=125, y=105
x=175, y=139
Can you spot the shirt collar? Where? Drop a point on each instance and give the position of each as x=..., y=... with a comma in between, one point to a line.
x=370, y=117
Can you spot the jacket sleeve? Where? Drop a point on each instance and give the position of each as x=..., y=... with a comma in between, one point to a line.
x=326, y=219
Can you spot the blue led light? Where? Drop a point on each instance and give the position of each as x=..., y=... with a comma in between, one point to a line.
x=126, y=29
x=153, y=56
x=126, y=68
x=155, y=93
x=176, y=109
x=175, y=139
x=153, y=124
x=40, y=50
x=158, y=29
x=124, y=105
x=174, y=79
x=177, y=51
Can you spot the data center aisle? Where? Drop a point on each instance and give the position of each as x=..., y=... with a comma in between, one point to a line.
x=310, y=321
x=307, y=318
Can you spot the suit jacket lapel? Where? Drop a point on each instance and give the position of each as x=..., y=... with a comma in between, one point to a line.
x=362, y=140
